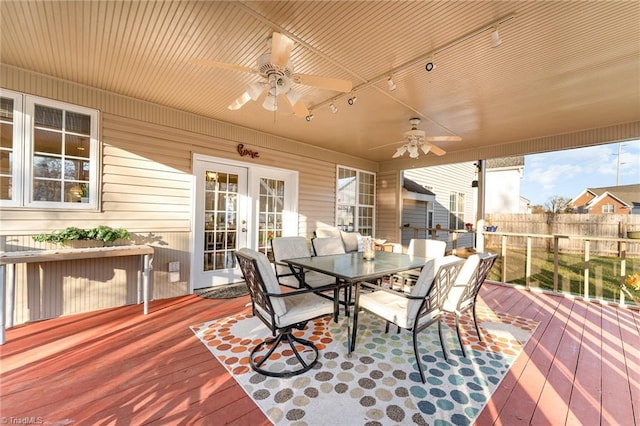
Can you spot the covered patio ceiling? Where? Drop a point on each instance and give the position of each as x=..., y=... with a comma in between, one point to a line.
x=563, y=68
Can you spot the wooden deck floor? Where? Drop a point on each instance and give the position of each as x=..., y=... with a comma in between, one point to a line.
x=582, y=366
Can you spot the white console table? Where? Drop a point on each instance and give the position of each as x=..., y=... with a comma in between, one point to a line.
x=9, y=259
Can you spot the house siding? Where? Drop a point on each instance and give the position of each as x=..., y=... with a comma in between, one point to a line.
x=442, y=181
x=146, y=186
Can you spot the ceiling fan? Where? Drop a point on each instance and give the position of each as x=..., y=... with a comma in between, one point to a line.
x=278, y=77
x=416, y=139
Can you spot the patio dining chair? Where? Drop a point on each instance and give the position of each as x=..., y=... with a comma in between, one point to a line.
x=424, y=248
x=324, y=246
x=282, y=313
x=287, y=275
x=416, y=310
x=464, y=292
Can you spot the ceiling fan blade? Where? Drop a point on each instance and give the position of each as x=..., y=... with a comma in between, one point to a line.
x=281, y=46
x=300, y=109
x=387, y=144
x=437, y=150
x=233, y=67
x=239, y=103
x=336, y=84
x=293, y=97
x=443, y=138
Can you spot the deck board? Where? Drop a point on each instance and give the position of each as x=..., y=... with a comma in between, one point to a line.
x=117, y=366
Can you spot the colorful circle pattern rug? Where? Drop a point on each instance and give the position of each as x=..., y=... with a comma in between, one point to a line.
x=379, y=384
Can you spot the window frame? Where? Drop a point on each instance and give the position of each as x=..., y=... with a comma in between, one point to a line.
x=459, y=215
x=357, y=225
x=23, y=149
x=608, y=208
x=17, y=148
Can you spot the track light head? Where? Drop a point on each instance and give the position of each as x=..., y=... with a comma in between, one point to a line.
x=495, y=37
x=391, y=84
x=430, y=65
x=352, y=100
x=333, y=108
x=309, y=118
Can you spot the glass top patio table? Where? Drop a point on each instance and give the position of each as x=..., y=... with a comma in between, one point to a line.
x=352, y=267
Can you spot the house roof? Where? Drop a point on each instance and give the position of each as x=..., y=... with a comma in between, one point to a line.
x=628, y=194
x=565, y=75
x=413, y=186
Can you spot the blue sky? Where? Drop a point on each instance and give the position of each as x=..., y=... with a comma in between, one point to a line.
x=567, y=173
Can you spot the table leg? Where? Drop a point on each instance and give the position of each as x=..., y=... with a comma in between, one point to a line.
x=145, y=282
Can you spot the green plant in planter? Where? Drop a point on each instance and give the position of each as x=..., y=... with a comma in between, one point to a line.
x=100, y=233
x=108, y=234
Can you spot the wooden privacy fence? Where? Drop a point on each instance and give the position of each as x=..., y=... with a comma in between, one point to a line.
x=582, y=225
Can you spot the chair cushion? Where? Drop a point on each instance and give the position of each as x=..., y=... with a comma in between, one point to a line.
x=426, y=248
x=327, y=232
x=391, y=307
x=303, y=307
x=425, y=281
x=269, y=278
x=316, y=279
x=352, y=241
x=328, y=245
x=464, y=279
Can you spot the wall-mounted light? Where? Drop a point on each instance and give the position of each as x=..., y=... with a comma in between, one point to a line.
x=495, y=37
x=391, y=84
x=333, y=108
x=352, y=100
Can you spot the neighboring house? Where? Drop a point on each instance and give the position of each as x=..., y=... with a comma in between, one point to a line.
x=503, y=177
x=525, y=205
x=440, y=195
x=623, y=199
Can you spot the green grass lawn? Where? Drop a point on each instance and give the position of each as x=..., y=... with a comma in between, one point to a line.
x=604, y=272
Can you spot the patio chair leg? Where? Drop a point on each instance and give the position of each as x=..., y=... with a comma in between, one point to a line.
x=287, y=336
x=464, y=354
x=415, y=353
x=475, y=322
x=336, y=304
x=444, y=351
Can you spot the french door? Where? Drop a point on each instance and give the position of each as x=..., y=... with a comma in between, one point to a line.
x=238, y=205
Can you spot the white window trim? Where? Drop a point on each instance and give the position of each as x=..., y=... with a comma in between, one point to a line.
x=18, y=123
x=356, y=212
x=22, y=172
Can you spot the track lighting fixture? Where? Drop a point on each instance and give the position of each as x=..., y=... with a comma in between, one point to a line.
x=333, y=108
x=430, y=65
x=495, y=37
x=352, y=100
x=309, y=118
x=391, y=84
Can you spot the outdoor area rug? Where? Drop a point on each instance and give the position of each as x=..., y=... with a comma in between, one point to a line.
x=224, y=291
x=380, y=383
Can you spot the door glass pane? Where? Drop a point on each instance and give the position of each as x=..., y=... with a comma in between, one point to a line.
x=6, y=148
x=271, y=207
x=221, y=216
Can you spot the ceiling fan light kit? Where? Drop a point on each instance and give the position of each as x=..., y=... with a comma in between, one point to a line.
x=416, y=140
x=275, y=68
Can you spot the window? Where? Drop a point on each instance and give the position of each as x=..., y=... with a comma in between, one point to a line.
x=456, y=210
x=49, y=153
x=355, y=207
x=608, y=208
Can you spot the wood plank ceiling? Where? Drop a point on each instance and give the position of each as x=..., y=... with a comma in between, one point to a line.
x=563, y=67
